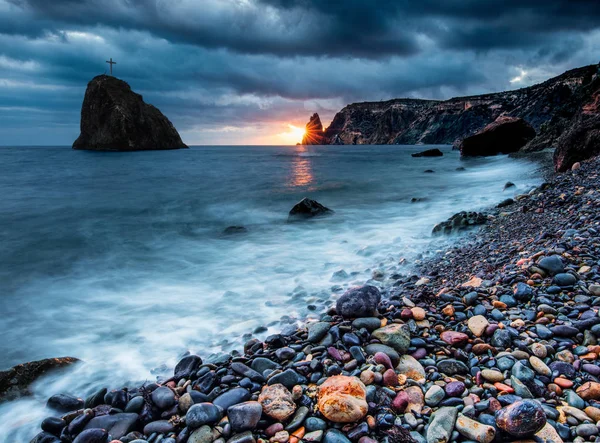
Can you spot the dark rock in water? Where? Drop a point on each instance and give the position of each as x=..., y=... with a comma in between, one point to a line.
x=97, y=398
x=53, y=425
x=187, y=366
x=459, y=222
x=429, y=153
x=45, y=437
x=15, y=382
x=114, y=118
x=359, y=302
x=92, y=436
x=202, y=414
x=307, y=208
x=117, y=425
x=64, y=403
x=232, y=230
x=314, y=131
x=509, y=185
x=244, y=416
x=505, y=203
x=428, y=171
x=503, y=136
x=521, y=419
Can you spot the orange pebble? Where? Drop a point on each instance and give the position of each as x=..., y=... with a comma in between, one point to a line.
x=563, y=382
x=498, y=304
x=504, y=388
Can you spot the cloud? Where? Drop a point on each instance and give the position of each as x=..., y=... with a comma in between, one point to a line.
x=255, y=66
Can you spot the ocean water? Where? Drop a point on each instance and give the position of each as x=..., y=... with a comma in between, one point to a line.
x=119, y=258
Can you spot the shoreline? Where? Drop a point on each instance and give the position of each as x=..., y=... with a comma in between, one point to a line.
x=415, y=313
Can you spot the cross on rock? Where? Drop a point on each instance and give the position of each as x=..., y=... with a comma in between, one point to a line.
x=111, y=63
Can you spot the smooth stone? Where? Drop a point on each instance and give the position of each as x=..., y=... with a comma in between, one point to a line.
x=92, y=436
x=521, y=419
x=297, y=419
x=158, y=426
x=244, y=416
x=261, y=364
x=451, y=367
x=395, y=335
x=335, y=436
x=589, y=391
x=441, y=425
x=53, y=425
x=64, y=403
x=315, y=424
x=501, y=339
x=317, y=331
x=201, y=435
x=477, y=325
x=434, y=395
x=552, y=265
x=117, y=425
x=187, y=366
x=492, y=376
x=539, y=366
x=232, y=397
x=288, y=378
x=374, y=348
x=244, y=437
x=163, y=397
x=135, y=404
x=203, y=414
x=45, y=437
x=410, y=367
x=564, y=280
x=473, y=430
x=368, y=323
x=277, y=402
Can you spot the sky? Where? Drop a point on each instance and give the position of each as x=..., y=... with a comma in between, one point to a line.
x=253, y=71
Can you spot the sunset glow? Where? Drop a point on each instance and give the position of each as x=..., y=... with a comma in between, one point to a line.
x=292, y=136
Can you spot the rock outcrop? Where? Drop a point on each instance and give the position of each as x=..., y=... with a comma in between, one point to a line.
x=503, y=136
x=114, y=118
x=314, y=131
x=15, y=382
x=307, y=208
x=548, y=107
x=581, y=140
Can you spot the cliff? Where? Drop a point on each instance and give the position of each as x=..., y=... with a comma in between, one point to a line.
x=548, y=107
x=114, y=118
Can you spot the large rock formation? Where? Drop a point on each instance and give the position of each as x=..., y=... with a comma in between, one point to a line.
x=114, y=118
x=314, y=131
x=581, y=140
x=549, y=107
x=503, y=136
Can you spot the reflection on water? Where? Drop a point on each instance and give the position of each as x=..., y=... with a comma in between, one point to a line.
x=302, y=174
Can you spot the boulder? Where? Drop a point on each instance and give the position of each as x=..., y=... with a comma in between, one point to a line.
x=15, y=382
x=342, y=399
x=459, y=222
x=307, y=208
x=429, y=153
x=114, y=118
x=314, y=131
x=503, y=136
x=360, y=301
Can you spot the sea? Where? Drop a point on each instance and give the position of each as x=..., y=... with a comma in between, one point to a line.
x=120, y=260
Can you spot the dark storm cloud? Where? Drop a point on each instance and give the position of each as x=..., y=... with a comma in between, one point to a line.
x=246, y=63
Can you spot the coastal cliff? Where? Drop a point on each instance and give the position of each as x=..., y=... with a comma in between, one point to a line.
x=548, y=107
x=114, y=118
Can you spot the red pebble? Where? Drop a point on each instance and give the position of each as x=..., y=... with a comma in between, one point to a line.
x=406, y=314
x=273, y=429
x=400, y=403
x=454, y=338
x=390, y=378
x=382, y=359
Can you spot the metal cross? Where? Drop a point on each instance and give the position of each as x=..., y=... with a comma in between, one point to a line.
x=111, y=63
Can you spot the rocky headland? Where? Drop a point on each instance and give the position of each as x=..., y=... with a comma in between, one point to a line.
x=563, y=112
x=114, y=118
x=495, y=339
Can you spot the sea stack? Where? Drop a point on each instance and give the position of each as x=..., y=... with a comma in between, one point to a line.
x=314, y=131
x=114, y=118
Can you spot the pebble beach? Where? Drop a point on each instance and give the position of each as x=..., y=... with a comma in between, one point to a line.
x=495, y=339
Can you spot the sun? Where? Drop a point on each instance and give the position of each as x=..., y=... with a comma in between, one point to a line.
x=293, y=135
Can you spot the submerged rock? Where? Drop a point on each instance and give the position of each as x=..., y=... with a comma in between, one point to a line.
x=459, y=222
x=15, y=382
x=429, y=153
x=114, y=118
x=503, y=136
x=307, y=208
